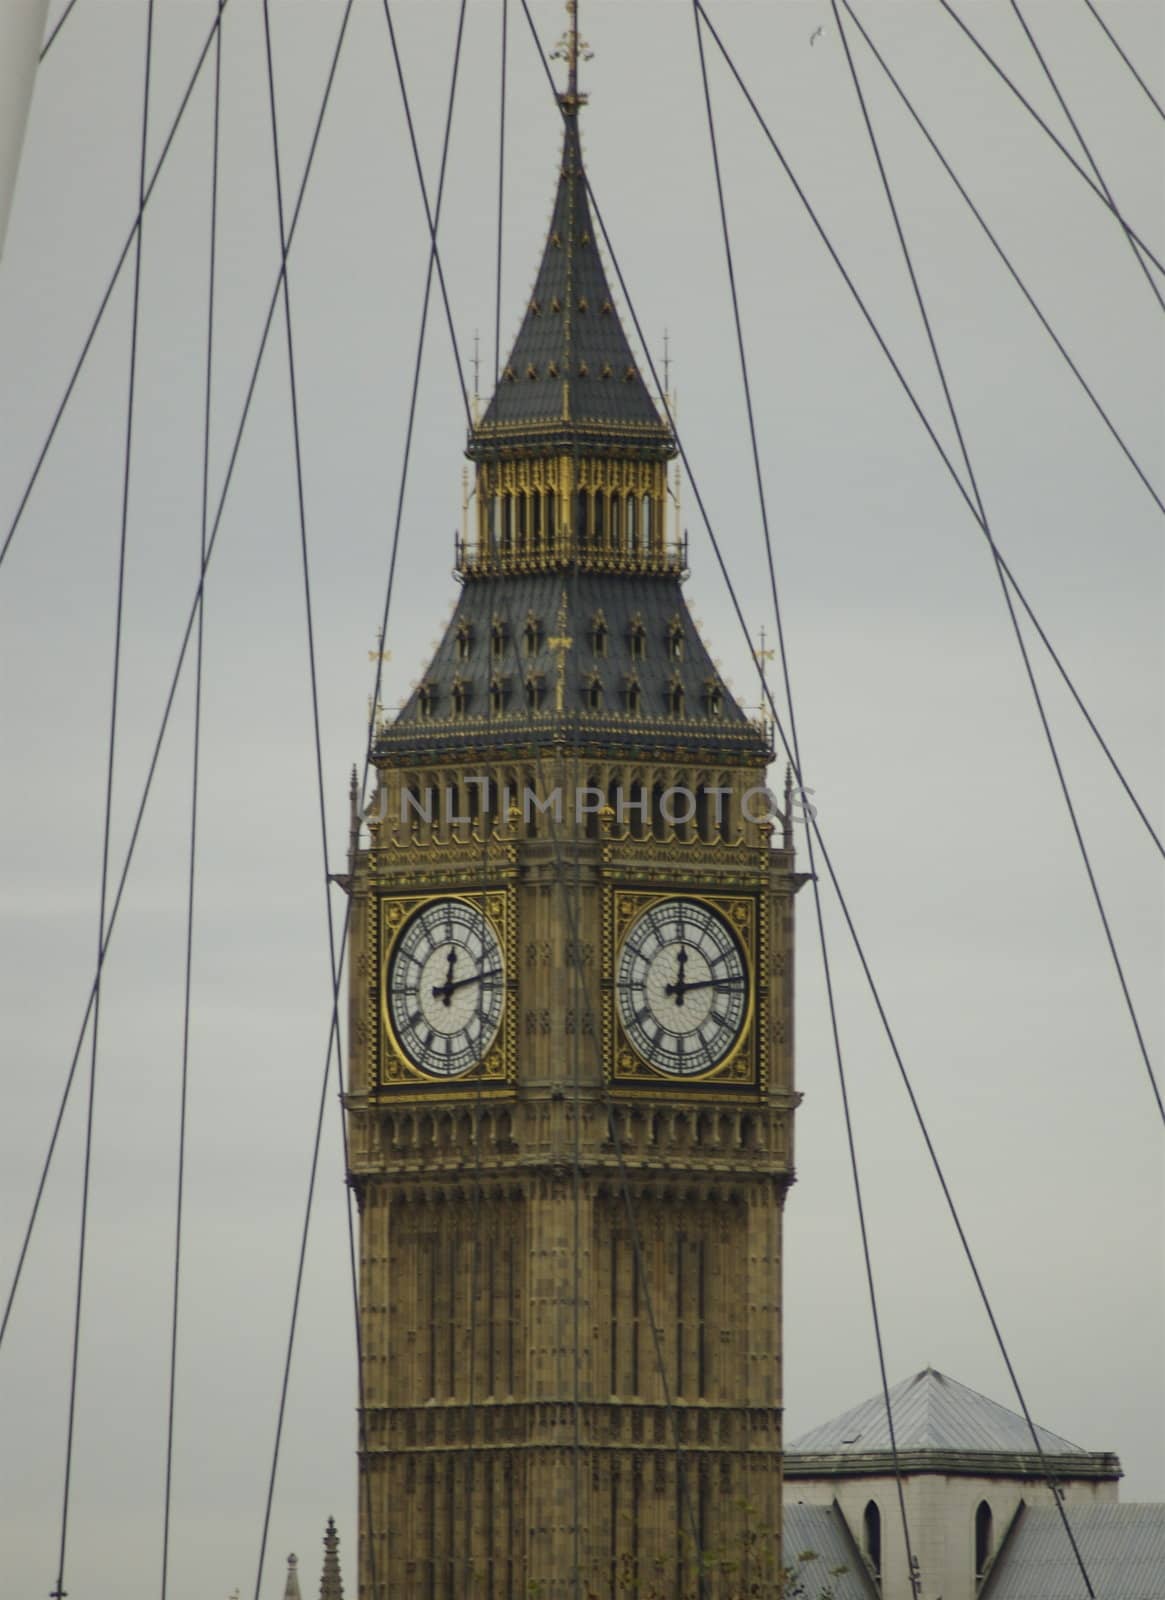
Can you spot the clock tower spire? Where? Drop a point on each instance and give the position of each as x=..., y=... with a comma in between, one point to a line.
x=570, y=1092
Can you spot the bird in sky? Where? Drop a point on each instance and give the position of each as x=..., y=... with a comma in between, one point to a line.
x=816, y=34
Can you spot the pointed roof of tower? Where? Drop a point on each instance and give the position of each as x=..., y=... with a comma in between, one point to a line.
x=291, y=1587
x=571, y=376
x=331, y=1584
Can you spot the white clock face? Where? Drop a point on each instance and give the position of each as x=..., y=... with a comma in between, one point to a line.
x=682, y=987
x=444, y=987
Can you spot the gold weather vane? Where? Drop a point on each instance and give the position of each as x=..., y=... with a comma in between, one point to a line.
x=569, y=49
x=762, y=655
x=559, y=643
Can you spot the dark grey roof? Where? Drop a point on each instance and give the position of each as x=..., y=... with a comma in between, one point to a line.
x=931, y=1412
x=1123, y=1548
x=571, y=376
x=819, y=1551
x=623, y=604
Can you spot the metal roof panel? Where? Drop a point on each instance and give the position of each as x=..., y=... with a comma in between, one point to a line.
x=931, y=1412
x=1122, y=1547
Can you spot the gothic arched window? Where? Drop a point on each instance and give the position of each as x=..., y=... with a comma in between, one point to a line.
x=983, y=1522
x=872, y=1528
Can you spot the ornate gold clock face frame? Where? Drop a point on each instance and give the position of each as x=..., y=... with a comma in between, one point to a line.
x=683, y=986
x=442, y=989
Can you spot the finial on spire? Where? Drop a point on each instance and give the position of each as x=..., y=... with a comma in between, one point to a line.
x=761, y=655
x=569, y=49
x=291, y=1589
x=331, y=1586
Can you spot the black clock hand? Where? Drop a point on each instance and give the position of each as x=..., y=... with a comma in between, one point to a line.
x=679, y=986
x=445, y=989
x=450, y=984
x=706, y=983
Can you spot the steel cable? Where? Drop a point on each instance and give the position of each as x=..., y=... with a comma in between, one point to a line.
x=1014, y=619
x=1102, y=413
x=204, y=511
x=812, y=822
x=1058, y=142
x=1116, y=44
x=114, y=276
x=175, y=679
x=56, y=28
x=1064, y=107
x=827, y=971
x=110, y=766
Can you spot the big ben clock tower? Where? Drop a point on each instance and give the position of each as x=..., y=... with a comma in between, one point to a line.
x=570, y=1095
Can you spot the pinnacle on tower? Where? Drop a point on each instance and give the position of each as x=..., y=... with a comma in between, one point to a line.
x=572, y=380
x=291, y=1589
x=331, y=1584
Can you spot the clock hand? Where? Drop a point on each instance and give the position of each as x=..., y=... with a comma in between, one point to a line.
x=445, y=989
x=450, y=984
x=706, y=983
x=679, y=986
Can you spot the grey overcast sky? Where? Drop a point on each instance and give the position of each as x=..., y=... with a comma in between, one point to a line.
x=935, y=790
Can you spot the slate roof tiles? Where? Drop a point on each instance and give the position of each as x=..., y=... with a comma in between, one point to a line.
x=571, y=370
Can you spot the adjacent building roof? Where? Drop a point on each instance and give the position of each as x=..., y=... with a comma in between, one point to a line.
x=636, y=674
x=821, y=1555
x=931, y=1412
x=1122, y=1547
x=939, y=1425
